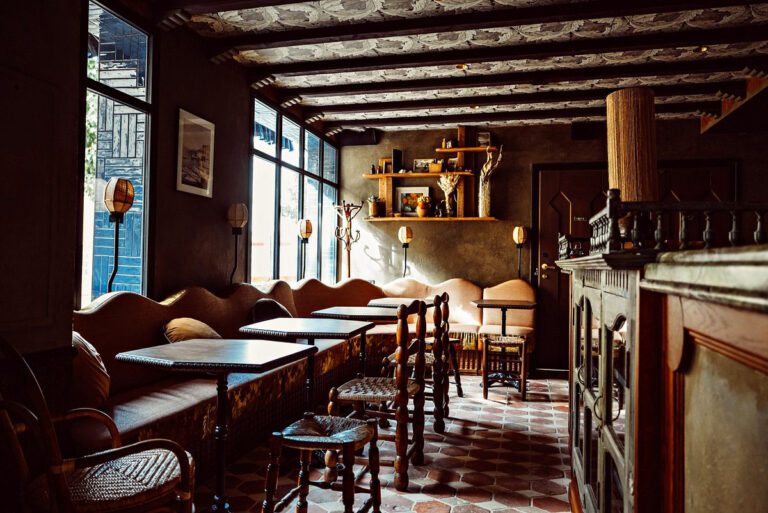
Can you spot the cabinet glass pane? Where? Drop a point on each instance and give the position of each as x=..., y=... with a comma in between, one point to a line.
x=593, y=436
x=618, y=371
x=614, y=491
x=594, y=353
x=312, y=212
x=262, y=222
x=289, y=217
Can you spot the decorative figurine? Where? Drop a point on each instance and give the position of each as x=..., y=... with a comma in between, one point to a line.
x=484, y=197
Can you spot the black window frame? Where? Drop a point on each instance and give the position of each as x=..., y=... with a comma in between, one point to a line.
x=278, y=164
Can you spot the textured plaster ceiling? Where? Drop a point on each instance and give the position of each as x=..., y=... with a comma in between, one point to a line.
x=336, y=13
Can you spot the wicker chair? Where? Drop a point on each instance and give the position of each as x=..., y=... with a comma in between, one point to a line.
x=156, y=475
x=325, y=433
x=364, y=392
x=506, y=361
x=440, y=358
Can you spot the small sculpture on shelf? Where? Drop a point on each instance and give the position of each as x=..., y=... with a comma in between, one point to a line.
x=448, y=184
x=484, y=197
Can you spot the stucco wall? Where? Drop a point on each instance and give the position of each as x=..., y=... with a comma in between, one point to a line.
x=484, y=252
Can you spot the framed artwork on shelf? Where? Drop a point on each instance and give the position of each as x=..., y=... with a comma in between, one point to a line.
x=194, y=165
x=483, y=139
x=407, y=199
x=421, y=165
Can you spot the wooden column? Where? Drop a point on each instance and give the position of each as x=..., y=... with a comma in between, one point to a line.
x=632, y=144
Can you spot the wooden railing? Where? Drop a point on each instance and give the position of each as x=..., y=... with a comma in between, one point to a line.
x=647, y=226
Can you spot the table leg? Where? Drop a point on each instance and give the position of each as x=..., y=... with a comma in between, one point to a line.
x=220, y=502
x=309, y=384
x=503, y=322
x=361, y=355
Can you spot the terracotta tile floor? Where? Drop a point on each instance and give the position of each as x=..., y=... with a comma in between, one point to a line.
x=501, y=455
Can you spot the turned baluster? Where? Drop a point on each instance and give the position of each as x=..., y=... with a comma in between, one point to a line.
x=734, y=235
x=683, y=230
x=659, y=233
x=759, y=233
x=635, y=232
x=708, y=234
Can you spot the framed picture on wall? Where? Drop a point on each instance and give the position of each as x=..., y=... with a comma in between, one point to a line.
x=194, y=165
x=408, y=198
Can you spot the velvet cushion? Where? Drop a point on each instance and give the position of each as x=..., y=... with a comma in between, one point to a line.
x=90, y=386
x=266, y=309
x=185, y=328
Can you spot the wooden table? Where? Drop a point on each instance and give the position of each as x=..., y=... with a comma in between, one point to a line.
x=394, y=302
x=358, y=313
x=504, y=305
x=294, y=329
x=219, y=357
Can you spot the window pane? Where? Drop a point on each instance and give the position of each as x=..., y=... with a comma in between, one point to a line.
x=329, y=242
x=115, y=147
x=312, y=153
x=291, y=137
x=117, y=52
x=262, y=220
x=264, y=128
x=312, y=212
x=329, y=162
x=289, y=217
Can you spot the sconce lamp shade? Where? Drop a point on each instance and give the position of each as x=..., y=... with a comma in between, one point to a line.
x=405, y=234
x=118, y=195
x=520, y=235
x=305, y=229
x=237, y=215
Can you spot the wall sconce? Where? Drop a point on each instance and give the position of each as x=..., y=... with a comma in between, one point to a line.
x=405, y=234
x=305, y=232
x=118, y=198
x=520, y=236
x=237, y=217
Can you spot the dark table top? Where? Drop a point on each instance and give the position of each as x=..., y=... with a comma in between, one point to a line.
x=219, y=355
x=357, y=313
x=292, y=328
x=512, y=304
x=394, y=302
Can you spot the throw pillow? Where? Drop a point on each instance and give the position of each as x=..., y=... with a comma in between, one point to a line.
x=90, y=384
x=185, y=328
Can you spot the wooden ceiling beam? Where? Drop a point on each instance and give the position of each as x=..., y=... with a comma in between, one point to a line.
x=567, y=113
x=173, y=13
x=509, y=17
x=528, y=77
x=709, y=88
x=635, y=42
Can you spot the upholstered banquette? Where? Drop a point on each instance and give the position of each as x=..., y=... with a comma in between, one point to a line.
x=149, y=403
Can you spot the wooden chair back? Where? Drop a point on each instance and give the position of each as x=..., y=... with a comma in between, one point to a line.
x=23, y=409
x=419, y=309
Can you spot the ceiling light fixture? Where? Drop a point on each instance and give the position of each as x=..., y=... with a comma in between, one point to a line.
x=703, y=49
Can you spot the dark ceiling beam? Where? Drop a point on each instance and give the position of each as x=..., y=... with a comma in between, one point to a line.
x=173, y=13
x=530, y=77
x=543, y=50
x=664, y=108
x=510, y=17
x=730, y=89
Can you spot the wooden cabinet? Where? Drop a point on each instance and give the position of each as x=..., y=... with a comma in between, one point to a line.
x=604, y=379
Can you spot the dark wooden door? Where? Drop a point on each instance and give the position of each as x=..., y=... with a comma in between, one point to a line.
x=567, y=199
x=569, y=194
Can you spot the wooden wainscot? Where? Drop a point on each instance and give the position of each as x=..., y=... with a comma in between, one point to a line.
x=715, y=378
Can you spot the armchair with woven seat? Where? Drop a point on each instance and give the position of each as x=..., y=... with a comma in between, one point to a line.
x=155, y=475
x=371, y=396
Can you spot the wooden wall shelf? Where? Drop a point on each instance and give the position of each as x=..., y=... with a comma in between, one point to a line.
x=408, y=219
x=379, y=176
x=473, y=149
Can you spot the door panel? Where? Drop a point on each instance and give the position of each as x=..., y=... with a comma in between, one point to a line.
x=567, y=199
